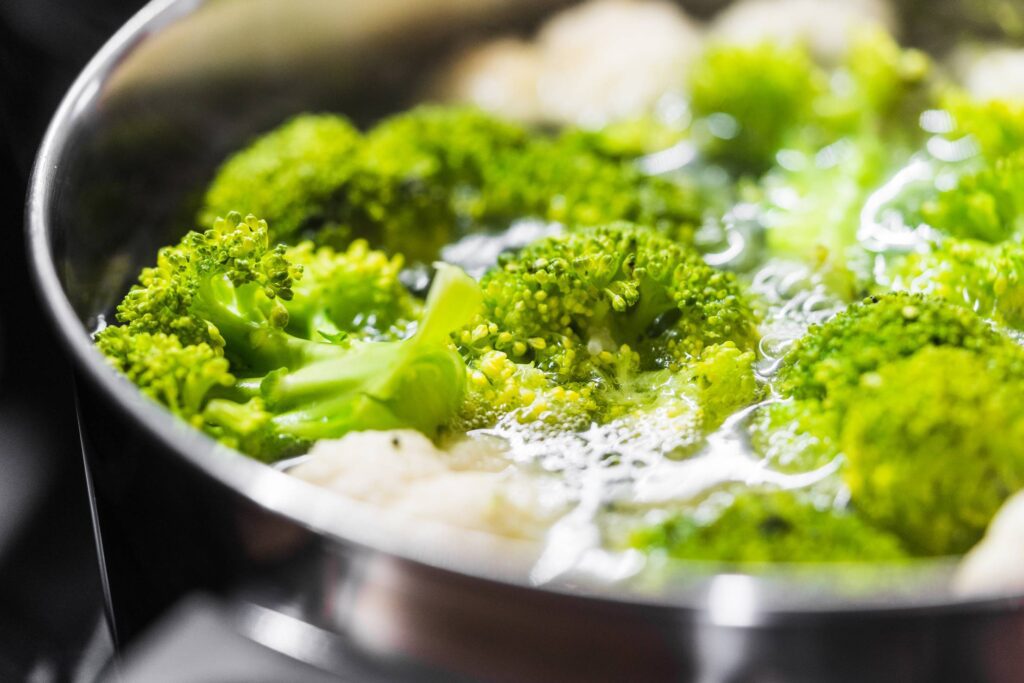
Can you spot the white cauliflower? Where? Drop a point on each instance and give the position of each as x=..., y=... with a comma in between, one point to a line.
x=608, y=60
x=405, y=472
x=992, y=72
x=825, y=26
x=996, y=564
x=601, y=61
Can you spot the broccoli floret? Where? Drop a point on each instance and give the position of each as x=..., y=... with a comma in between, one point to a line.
x=831, y=358
x=559, y=180
x=434, y=174
x=500, y=389
x=881, y=88
x=934, y=444
x=986, y=205
x=769, y=526
x=426, y=177
x=420, y=177
x=180, y=377
x=996, y=127
x=413, y=383
x=354, y=292
x=231, y=285
x=985, y=278
x=293, y=176
x=750, y=100
x=216, y=287
x=603, y=299
x=630, y=138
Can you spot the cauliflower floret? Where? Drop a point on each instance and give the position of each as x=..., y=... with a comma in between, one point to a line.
x=996, y=564
x=609, y=60
x=405, y=472
x=826, y=26
x=992, y=73
x=599, y=62
x=498, y=76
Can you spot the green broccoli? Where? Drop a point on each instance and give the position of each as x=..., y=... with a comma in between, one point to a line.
x=756, y=527
x=996, y=127
x=559, y=180
x=749, y=101
x=446, y=172
x=353, y=292
x=605, y=299
x=986, y=205
x=426, y=177
x=831, y=358
x=934, y=444
x=420, y=178
x=229, y=291
x=985, y=278
x=879, y=89
x=178, y=376
x=293, y=177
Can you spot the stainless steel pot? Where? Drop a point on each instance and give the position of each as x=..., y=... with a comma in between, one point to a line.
x=333, y=582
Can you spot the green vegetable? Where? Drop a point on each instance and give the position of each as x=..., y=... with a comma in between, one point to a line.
x=180, y=377
x=750, y=100
x=986, y=205
x=421, y=176
x=293, y=177
x=353, y=292
x=985, y=278
x=935, y=444
x=770, y=526
x=426, y=177
x=832, y=357
x=600, y=300
x=227, y=292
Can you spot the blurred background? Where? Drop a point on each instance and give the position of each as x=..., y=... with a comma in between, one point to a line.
x=51, y=625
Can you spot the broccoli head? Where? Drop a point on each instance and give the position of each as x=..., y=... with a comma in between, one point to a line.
x=599, y=300
x=986, y=205
x=996, y=127
x=750, y=100
x=831, y=358
x=357, y=292
x=759, y=526
x=180, y=377
x=296, y=383
x=985, y=278
x=420, y=177
x=934, y=444
x=293, y=176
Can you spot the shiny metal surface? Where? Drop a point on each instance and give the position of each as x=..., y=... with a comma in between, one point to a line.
x=183, y=83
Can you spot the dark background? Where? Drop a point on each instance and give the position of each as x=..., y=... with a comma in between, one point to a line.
x=50, y=589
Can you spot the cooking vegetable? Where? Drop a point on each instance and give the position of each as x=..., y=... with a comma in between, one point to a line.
x=770, y=526
x=293, y=176
x=773, y=318
x=935, y=444
x=224, y=292
x=609, y=299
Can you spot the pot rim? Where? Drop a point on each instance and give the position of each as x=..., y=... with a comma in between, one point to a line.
x=350, y=522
